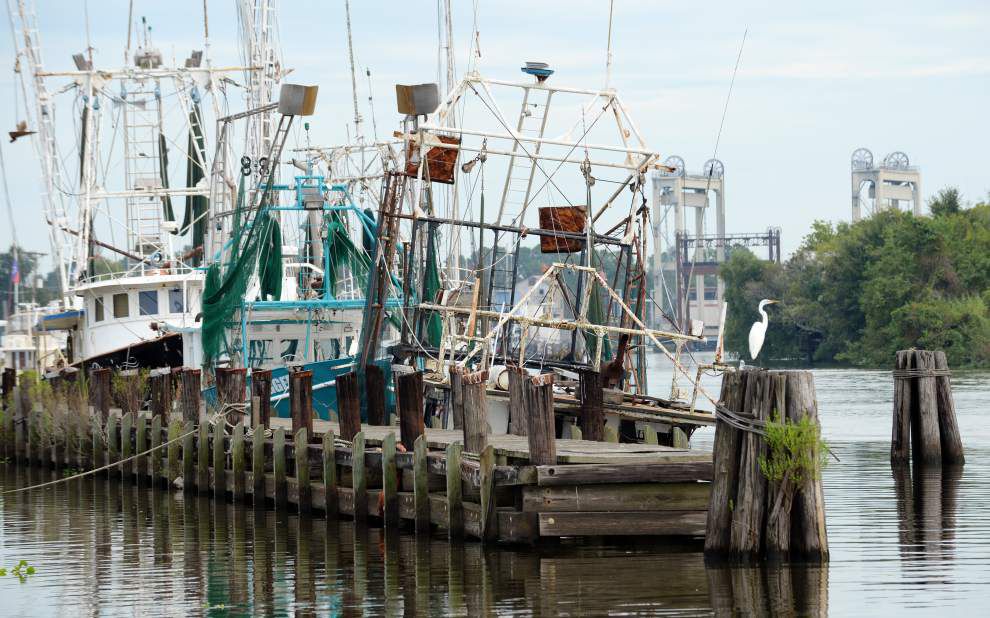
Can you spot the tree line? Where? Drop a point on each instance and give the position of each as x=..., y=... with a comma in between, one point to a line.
x=856, y=293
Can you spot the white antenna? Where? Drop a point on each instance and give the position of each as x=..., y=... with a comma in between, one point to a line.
x=608, y=48
x=350, y=56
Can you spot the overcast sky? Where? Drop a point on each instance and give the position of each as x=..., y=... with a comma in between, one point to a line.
x=816, y=81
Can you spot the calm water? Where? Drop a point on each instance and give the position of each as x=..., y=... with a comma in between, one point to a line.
x=899, y=546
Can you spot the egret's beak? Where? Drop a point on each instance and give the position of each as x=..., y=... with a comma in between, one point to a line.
x=772, y=302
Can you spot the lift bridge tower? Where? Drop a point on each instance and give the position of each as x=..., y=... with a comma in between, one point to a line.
x=696, y=257
x=888, y=185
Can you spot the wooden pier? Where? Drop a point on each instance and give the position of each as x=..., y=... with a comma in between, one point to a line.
x=504, y=492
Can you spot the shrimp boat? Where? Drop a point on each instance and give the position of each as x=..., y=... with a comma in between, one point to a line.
x=548, y=274
x=131, y=272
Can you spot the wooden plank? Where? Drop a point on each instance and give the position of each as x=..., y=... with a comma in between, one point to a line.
x=329, y=475
x=636, y=523
x=390, y=484
x=618, y=497
x=585, y=474
x=359, y=479
x=301, y=443
x=455, y=509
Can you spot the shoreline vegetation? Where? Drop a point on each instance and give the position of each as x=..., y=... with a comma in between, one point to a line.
x=855, y=293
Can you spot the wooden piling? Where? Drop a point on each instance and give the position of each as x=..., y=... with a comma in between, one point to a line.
x=126, y=422
x=261, y=387
x=421, y=487
x=258, y=467
x=539, y=410
x=189, y=457
x=237, y=462
x=219, y=462
x=174, y=469
x=489, y=518
x=161, y=393
x=232, y=390
x=951, y=440
x=809, y=537
x=725, y=454
x=278, y=469
x=750, y=505
x=518, y=422
x=359, y=479
x=457, y=396
x=300, y=443
x=348, y=405
x=191, y=387
x=374, y=388
x=925, y=437
x=100, y=386
x=301, y=400
x=455, y=507
x=409, y=391
x=900, y=440
x=203, y=459
x=140, y=446
x=330, y=474
x=390, y=484
x=592, y=417
x=113, y=444
x=476, y=428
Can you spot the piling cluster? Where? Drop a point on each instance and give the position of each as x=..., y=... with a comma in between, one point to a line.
x=751, y=516
x=925, y=427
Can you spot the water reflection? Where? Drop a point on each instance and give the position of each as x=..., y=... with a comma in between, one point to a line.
x=927, y=500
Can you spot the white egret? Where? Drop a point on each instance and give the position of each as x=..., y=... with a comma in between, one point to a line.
x=759, y=330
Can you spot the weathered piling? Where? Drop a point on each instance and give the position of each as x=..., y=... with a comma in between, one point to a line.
x=766, y=499
x=924, y=420
x=261, y=387
x=473, y=396
x=100, y=386
x=539, y=411
x=592, y=419
x=409, y=391
x=8, y=384
x=161, y=392
x=191, y=385
x=374, y=388
x=349, y=405
x=232, y=391
x=301, y=400
x=457, y=396
x=518, y=421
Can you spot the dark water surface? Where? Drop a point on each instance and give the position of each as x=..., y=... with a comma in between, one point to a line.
x=900, y=545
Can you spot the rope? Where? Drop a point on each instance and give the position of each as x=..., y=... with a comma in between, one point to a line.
x=902, y=374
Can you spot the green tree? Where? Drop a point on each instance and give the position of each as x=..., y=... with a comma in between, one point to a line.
x=945, y=202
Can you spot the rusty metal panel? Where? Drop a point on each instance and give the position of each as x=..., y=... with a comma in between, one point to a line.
x=565, y=219
x=441, y=162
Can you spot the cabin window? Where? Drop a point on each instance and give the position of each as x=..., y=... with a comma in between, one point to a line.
x=175, y=301
x=148, y=302
x=121, y=308
x=98, y=309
